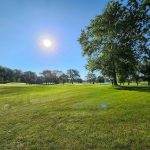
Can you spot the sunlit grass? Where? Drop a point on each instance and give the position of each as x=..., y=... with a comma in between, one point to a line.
x=73, y=117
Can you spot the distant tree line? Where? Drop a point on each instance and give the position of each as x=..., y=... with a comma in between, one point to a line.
x=117, y=42
x=92, y=78
x=46, y=77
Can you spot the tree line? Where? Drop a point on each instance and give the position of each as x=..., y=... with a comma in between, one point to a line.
x=46, y=77
x=117, y=42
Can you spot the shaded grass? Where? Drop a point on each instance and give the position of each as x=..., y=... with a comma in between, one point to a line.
x=70, y=117
x=134, y=88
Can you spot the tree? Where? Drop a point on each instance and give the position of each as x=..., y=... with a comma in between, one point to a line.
x=48, y=77
x=79, y=80
x=121, y=79
x=91, y=77
x=138, y=21
x=17, y=75
x=29, y=77
x=145, y=70
x=9, y=75
x=117, y=40
x=40, y=80
x=6, y=74
x=63, y=78
x=57, y=75
x=2, y=72
x=100, y=79
x=73, y=75
x=98, y=41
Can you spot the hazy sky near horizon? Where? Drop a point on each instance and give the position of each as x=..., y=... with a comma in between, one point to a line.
x=23, y=23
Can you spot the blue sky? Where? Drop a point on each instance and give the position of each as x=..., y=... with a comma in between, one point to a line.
x=23, y=22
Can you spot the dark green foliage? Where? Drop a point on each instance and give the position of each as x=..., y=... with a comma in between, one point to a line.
x=117, y=41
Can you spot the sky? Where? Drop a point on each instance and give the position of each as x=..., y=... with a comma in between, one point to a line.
x=25, y=23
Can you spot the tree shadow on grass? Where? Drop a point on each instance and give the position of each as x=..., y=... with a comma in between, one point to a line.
x=134, y=88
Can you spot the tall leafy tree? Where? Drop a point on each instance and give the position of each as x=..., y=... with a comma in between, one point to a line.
x=100, y=43
x=117, y=40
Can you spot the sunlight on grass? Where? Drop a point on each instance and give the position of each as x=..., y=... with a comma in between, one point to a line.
x=73, y=117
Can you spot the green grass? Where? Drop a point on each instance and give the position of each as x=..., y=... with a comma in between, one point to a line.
x=74, y=117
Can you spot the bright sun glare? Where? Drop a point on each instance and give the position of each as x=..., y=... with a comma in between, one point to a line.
x=47, y=43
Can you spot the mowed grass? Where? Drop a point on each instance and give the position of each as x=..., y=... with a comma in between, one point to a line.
x=74, y=117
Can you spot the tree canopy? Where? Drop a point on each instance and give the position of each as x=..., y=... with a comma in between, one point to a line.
x=117, y=41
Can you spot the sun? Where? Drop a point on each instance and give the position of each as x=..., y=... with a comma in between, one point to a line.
x=47, y=43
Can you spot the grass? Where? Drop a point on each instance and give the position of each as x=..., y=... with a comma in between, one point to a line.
x=74, y=117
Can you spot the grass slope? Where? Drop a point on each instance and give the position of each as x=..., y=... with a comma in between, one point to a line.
x=74, y=117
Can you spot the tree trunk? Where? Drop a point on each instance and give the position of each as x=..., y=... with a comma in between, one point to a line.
x=114, y=74
x=149, y=82
x=115, y=79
